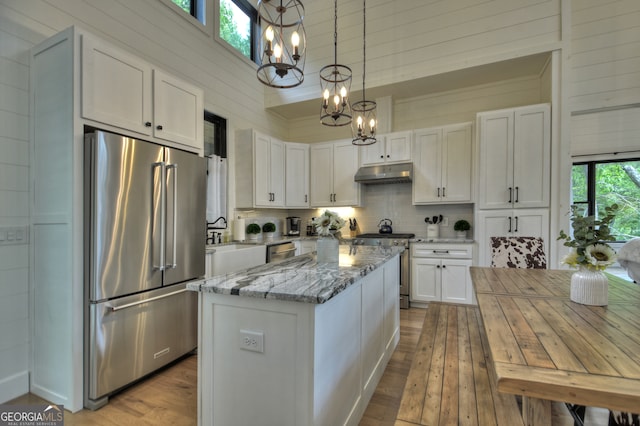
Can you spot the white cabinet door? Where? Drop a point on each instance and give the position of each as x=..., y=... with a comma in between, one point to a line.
x=456, y=163
x=373, y=154
x=509, y=223
x=116, y=87
x=425, y=280
x=496, y=159
x=514, y=153
x=442, y=164
x=456, y=281
x=426, y=166
x=296, y=175
x=321, y=177
x=532, y=157
x=178, y=111
x=276, y=172
x=346, y=192
x=261, y=167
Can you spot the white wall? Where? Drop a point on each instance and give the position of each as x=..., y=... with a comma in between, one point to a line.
x=412, y=39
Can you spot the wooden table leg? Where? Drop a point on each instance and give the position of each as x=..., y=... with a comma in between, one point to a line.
x=536, y=411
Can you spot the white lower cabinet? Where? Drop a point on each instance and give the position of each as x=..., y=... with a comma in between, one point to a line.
x=440, y=273
x=509, y=223
x=305, y=246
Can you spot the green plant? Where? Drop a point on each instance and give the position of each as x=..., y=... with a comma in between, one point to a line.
x=461, y=225
x=253, y=228
x=589, y=235
x=269, y=227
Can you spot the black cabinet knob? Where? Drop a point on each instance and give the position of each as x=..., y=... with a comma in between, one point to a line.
x=147, y=124
x=159, y=127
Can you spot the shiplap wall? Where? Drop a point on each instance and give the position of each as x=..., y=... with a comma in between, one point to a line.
x=14, y=209
x=605, y=96
x=406, y=39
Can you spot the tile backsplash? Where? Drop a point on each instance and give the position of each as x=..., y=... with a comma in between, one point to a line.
x=388, y=201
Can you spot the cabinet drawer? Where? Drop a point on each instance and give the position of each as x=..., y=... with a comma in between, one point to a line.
x=447, y=251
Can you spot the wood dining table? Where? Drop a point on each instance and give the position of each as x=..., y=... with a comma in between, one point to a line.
x=546, y=348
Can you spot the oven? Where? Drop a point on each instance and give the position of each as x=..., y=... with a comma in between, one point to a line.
x=405, y=264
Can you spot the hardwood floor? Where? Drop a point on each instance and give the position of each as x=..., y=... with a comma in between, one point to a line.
x=424, y=383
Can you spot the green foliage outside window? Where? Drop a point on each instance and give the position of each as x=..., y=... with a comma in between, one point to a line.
x=230, y=17
x=184, y=5
x=614, y=183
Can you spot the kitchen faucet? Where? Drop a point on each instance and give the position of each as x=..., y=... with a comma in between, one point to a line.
x=210, y=225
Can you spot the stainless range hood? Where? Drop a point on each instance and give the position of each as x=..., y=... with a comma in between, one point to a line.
x=386, y=173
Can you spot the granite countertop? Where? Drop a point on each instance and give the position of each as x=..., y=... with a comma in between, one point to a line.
x=442, y=240
x=300, y=278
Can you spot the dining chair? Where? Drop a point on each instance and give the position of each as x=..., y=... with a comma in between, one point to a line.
x=518, y=252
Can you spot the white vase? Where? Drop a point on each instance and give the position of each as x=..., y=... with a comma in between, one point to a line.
x=461, y=235
x=589, y=287
x=327, y=249
x=253, y=237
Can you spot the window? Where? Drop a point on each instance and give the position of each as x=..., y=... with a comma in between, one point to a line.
x=239, y=26
x=596, y=184
x=195, y=8
x=188, y=6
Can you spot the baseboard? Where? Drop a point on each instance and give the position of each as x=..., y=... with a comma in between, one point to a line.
x=14, y=386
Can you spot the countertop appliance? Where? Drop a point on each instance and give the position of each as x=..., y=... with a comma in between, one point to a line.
x=293, y=225
x=144, y=220
x=405, y=265
x=280, y=251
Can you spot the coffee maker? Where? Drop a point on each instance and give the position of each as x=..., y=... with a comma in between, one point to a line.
x=293, y=225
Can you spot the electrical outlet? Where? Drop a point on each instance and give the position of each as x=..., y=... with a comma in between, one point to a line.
x=445, y=221
x=252, y=340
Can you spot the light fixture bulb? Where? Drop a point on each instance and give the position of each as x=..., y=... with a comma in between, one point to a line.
x=326, y=94
x=336, y=100
x=343, y=92
x=295, y=39
x=268, y=34
x=372, y=124
x=277, y=51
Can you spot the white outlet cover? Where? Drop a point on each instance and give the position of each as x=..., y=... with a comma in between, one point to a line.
x=252, y=340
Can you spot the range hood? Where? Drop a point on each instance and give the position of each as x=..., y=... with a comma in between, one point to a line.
x=386, y=173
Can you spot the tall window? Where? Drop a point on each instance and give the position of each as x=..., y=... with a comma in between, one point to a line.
x=596, y=184
x=239, y=26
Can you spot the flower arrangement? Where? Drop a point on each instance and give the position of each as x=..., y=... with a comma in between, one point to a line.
x=327, y=222
x=588, y=247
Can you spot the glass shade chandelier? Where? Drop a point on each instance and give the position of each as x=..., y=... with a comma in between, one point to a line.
x=364, y=124
x=335, y=81
x=283, y=43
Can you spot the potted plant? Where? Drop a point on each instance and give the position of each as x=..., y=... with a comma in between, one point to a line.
x=253, y=229
x=461, y=227
x=269, y=229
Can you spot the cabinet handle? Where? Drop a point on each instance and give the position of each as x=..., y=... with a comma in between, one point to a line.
x=388, y=156
x=438, y=192
x=147, y=124
x=305, y=198
x=444, y=192
x=517, y=194
x=440, y=251
x=516, y=224
x=510, y=193
x=159, y=127
x=509, y=224
x=444, y=266
x=438, y=266
x=382, y=156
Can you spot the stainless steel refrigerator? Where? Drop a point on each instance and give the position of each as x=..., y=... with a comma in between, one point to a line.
x=144, y=239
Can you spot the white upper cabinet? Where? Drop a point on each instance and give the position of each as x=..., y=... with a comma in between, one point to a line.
x=296, y=175
x=391, y=148
x=333, y=166
x=123, y=91
x=442, y=158
x=259, y=162
x=514, y=157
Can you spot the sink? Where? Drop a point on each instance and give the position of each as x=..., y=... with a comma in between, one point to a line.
x=234, y=257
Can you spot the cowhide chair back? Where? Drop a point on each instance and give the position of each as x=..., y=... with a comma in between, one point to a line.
x=518, y=252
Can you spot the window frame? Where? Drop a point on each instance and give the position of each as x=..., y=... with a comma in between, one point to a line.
x=591, y=165
x=200, y=20
x=256, y=29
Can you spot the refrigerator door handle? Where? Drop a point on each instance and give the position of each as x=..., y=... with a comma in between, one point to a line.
x=160, y=205
x=173, y=263
x=140, y=302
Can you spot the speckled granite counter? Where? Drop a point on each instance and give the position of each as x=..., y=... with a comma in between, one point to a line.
x=300, y=278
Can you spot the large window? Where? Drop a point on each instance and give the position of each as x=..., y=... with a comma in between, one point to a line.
x=596, y=184
x=239, y=26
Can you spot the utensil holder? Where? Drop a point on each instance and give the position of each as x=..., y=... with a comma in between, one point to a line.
x=433, y=231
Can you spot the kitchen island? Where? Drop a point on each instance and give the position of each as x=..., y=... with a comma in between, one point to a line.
x=297, y=343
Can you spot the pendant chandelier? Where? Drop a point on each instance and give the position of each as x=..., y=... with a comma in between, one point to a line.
x=364, y=124
x=335, y=81
x=283, y=43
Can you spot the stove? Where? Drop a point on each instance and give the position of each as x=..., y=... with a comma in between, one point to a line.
x=392, y=240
